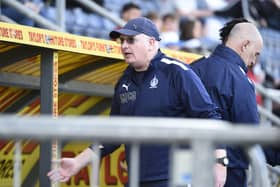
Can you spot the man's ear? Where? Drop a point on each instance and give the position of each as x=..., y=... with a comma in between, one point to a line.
x=151, y=44
x=244, y=45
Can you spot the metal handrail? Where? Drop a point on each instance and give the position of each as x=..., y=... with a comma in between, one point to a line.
x=259, y=166
x=245, y=9
x=269, y=115
x=102, y=11
x=147, y=129
x=272, y=94
x=6, y=19
x=36, y=17
x=60, y=26
x=201, y=133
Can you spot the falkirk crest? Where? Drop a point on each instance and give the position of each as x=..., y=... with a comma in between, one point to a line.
x=154, y=82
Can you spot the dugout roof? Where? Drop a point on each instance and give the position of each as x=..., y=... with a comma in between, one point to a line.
x=85, y=65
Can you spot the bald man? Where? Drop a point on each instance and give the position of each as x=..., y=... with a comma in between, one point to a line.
x=224, y=76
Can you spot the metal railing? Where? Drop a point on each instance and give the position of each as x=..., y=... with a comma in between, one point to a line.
x=34, y=16
x=201, y=134
x=246, y=11
x=270, y=96
x=6, y=19
x=101, y=11
x=60, y=13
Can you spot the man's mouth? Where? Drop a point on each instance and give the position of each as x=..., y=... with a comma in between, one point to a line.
x=127, y=54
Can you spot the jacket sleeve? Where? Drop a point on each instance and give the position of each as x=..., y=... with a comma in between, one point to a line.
x=244, y=106
x=115, y=106
x=194, y=96
x=109, y=148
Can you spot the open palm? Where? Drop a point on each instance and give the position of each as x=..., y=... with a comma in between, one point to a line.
x=67, y=168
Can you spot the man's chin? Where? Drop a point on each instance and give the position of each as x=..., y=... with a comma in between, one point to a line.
x=251, y=64
x=129, y=61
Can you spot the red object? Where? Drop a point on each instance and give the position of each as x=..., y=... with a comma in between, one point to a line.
x=255, y=79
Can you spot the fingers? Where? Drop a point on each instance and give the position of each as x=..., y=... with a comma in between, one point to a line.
x=56, y=176
x=219, y=185
x=65, y=179
x=220, y=175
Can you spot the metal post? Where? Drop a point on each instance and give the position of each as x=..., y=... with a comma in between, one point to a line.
x=172, y=150
x=258, y=163
x=268, y=106
x=134, y=165
x=49, y=105
x=203, y=163
x=95, y=165
x=245, y=10
x=60, y=13
x=17, y=164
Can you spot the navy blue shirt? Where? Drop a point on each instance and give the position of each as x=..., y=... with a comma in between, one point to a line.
x=224, y=76
x=168, y=88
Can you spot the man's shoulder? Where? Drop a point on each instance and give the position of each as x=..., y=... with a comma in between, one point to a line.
x=211, y=63
x=172, y=64
x=213, y=72
x=198, y=63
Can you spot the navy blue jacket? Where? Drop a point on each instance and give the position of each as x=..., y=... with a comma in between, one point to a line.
x=224, y=76
x=168, y=88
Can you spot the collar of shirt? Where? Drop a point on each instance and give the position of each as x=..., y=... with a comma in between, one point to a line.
x=227, y=53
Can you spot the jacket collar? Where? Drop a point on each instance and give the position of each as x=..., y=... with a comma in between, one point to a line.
x=230, y=56
x=156, y=60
